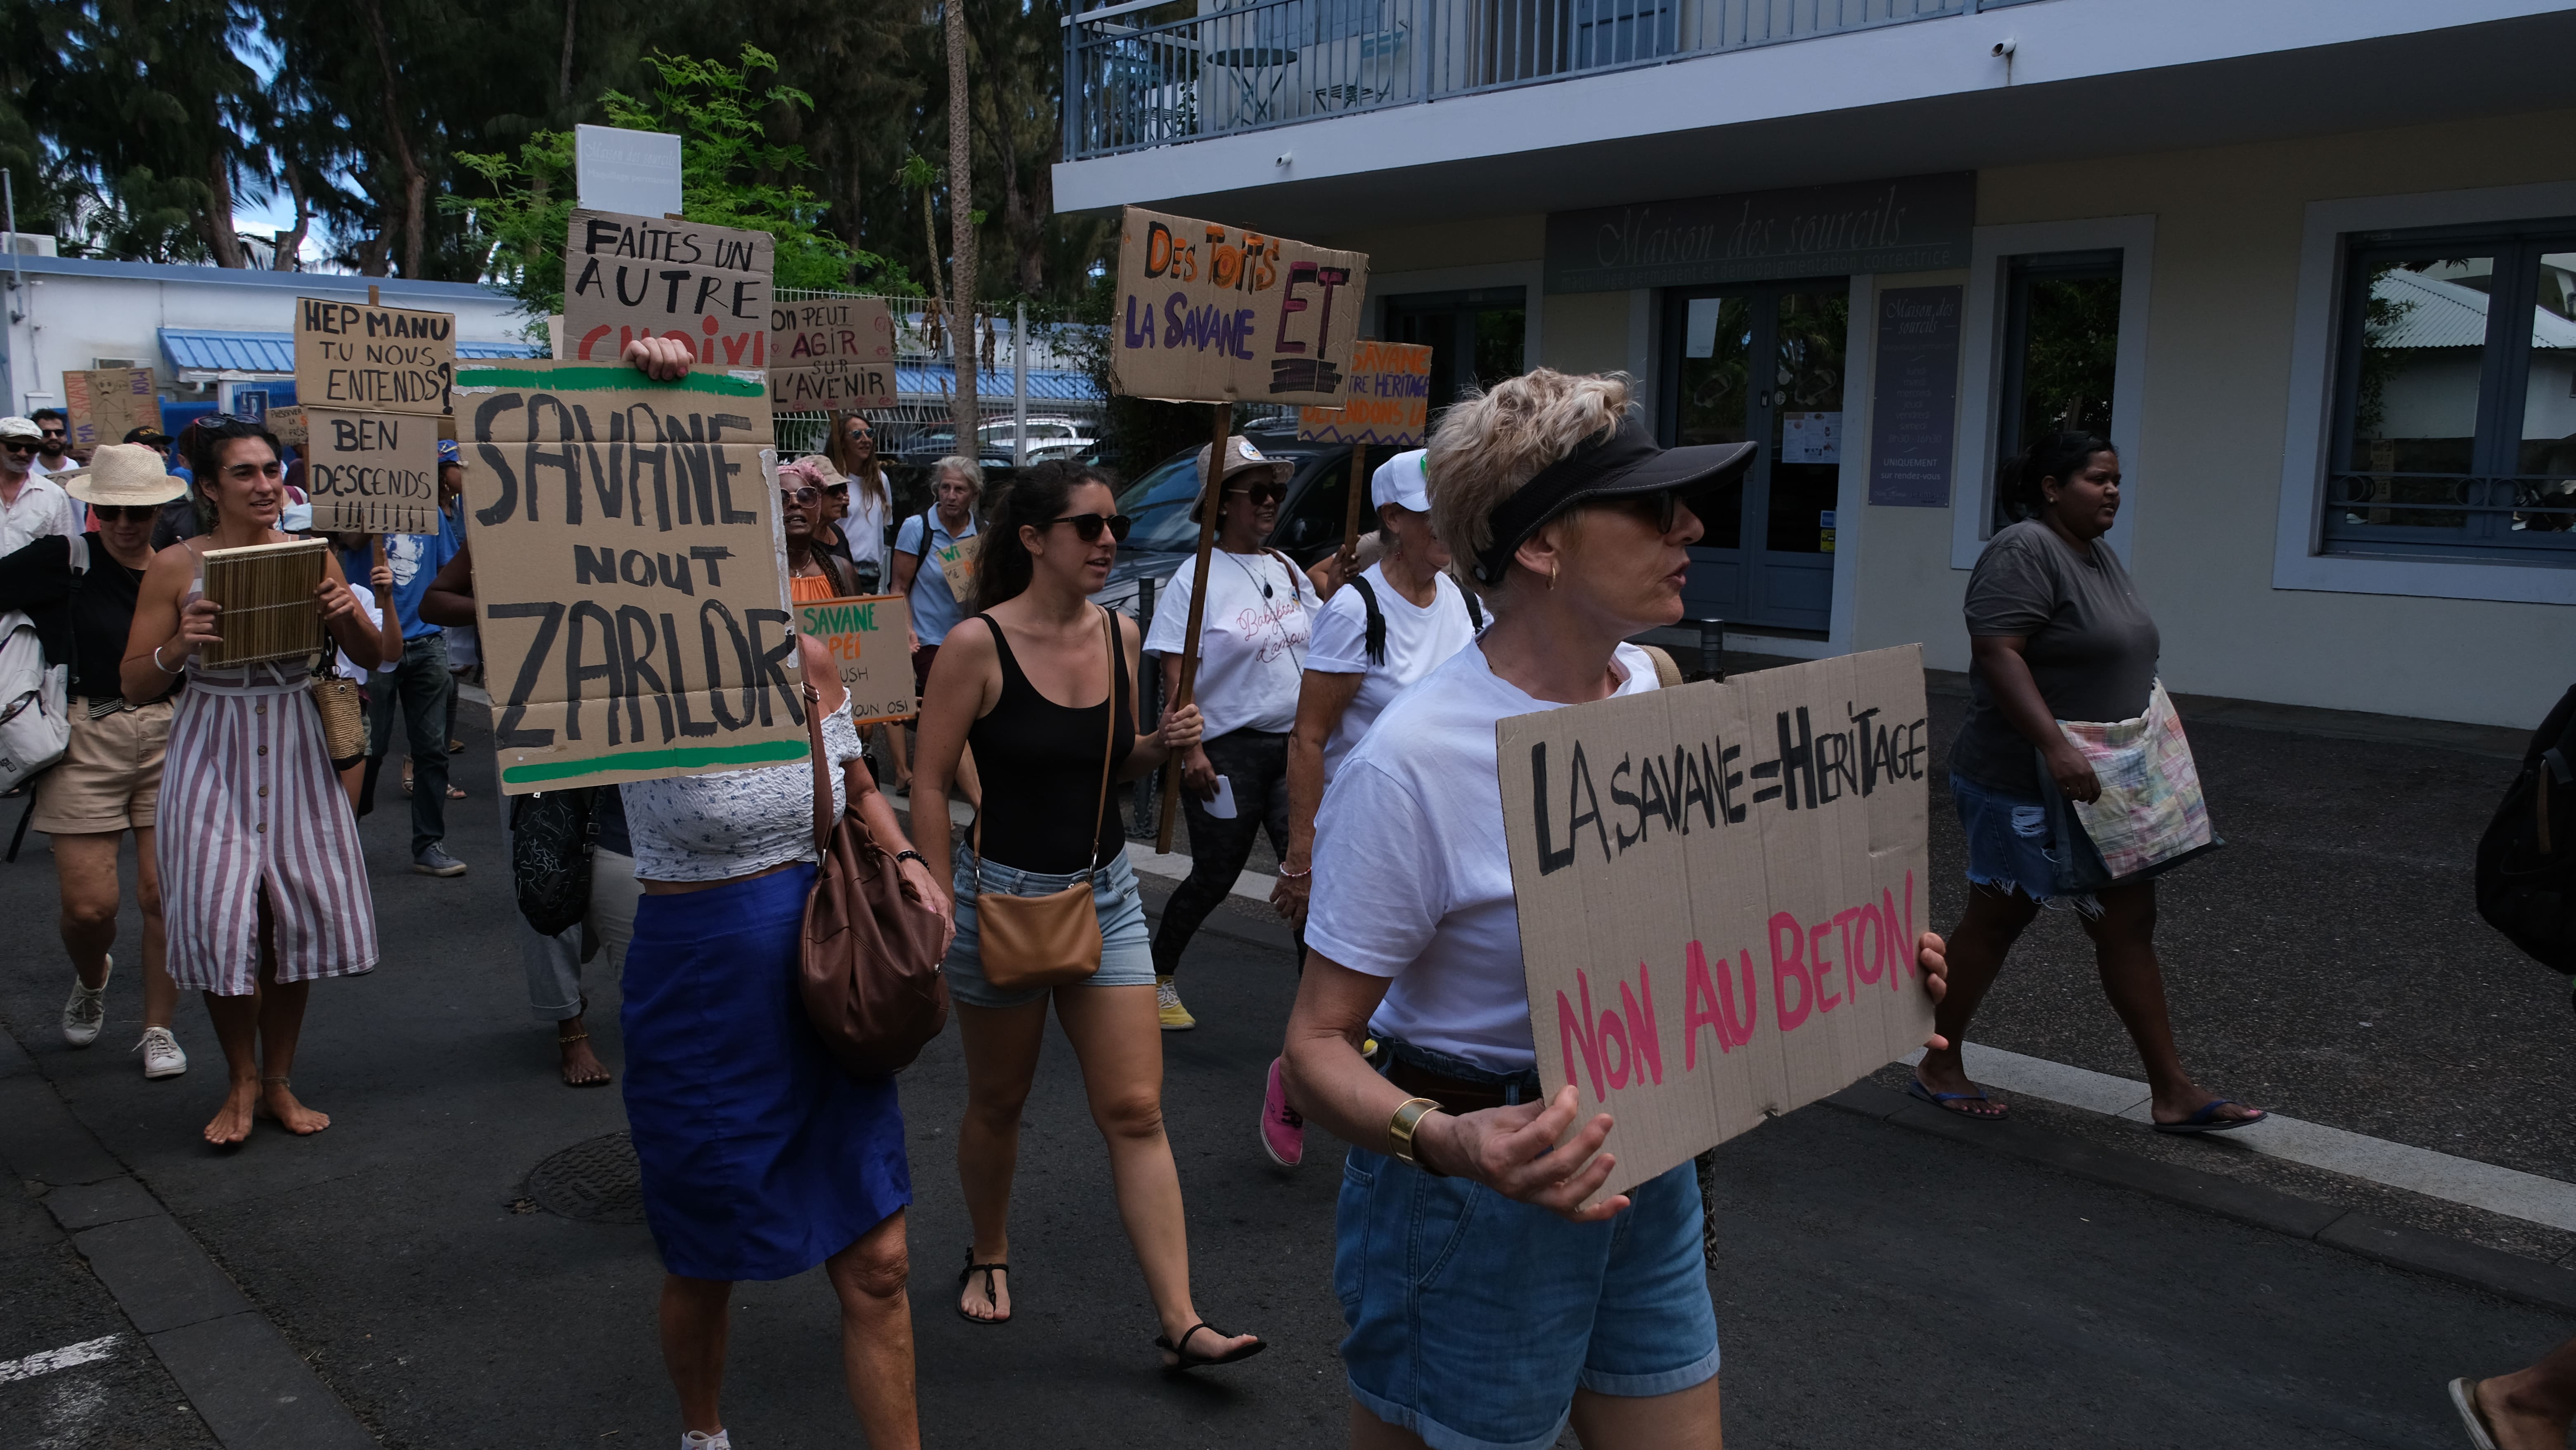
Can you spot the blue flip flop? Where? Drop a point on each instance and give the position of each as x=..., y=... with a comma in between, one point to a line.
x=2204, y=1122
x=1915, y=1089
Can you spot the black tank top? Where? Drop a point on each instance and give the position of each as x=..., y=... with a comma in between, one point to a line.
x=1040, y=766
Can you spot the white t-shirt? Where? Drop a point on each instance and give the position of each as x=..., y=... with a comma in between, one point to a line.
x=367, y=611
x=1252, y=645
x=41, y=510
x=1412, y=878
x=1418, y=641
x=41, y=468
x=865, y=528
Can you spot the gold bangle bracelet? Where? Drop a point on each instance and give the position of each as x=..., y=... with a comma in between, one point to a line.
x=1399, y=1131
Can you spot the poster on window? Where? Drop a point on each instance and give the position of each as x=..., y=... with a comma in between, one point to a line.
x=1913, y=428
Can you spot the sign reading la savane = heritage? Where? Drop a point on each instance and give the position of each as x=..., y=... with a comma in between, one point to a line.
x=1209, y=313
x=1719, y=888
x=1389, y=403
x=627, y=551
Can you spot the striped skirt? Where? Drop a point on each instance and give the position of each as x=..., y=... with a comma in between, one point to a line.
x=249, y=804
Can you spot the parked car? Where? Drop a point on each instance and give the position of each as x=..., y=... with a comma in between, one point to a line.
x=1049, y=438
x=1163, y=538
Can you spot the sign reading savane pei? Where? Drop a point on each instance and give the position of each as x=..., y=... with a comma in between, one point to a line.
x=1209, y=313
x=372, y=381
x=632, y=276
x=626, y=543
x=831, y=353
x=1389, y=403
x=1719, y=889
x=867, y=636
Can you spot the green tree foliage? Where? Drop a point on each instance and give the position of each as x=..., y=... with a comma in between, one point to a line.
x=731, y=174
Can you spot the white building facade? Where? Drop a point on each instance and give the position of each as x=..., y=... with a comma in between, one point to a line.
x=2310, y=264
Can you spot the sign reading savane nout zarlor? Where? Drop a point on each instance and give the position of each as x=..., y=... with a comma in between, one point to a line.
x=631, y=276
x=1210, y=313
x=867, y=635
x=1389, y=403
x=831, y=353
x=626, y=542
x=372, y=382
x=1719, y=886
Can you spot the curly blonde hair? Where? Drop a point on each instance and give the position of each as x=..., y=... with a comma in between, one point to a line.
x=1492, y=442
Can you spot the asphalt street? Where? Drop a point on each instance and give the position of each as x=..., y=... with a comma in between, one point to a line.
x=1875, y=1283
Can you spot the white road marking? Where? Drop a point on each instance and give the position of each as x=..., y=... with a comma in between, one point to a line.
x=2507, y=1191
x=67, y=1357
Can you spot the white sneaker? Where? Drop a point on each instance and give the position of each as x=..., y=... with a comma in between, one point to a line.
x=86, y=1012
x=694, y=1440
x=161, y=1054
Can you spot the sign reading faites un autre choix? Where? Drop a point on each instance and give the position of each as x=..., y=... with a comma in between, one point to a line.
x=1719, y=888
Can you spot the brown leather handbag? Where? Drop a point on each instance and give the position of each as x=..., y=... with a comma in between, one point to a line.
x=869, y=966
x=1029, y=942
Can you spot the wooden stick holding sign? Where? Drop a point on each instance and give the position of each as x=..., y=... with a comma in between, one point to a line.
x=1211, y=501
x=1209, y=314
x=1350, y=554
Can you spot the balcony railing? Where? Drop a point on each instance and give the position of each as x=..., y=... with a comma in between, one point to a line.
x=1152, y=73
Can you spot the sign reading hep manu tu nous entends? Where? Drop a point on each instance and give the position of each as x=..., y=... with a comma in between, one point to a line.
x=1719, y=888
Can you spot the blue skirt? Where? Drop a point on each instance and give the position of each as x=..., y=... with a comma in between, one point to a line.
x=761, y=1157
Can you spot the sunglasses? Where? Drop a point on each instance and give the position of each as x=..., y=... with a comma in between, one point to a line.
x=806, y=494
x=52, y=432
x=1262, y=493
x=1663, y=506
x=837, y=490
x=1087, y=527
x=132, y=513
x=20, y=445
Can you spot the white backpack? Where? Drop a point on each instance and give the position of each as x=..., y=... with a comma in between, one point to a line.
x=35, y=698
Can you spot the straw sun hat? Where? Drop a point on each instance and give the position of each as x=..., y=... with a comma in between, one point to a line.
x=127, y=474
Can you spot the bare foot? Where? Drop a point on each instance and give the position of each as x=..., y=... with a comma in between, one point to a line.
x=277, y=1100
x=987, y=1295
x=2515, y=1427
x=231, y=1124
x=1205, y=1347
x=581, y=1067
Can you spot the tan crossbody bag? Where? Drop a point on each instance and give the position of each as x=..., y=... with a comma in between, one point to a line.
x=1030, y=942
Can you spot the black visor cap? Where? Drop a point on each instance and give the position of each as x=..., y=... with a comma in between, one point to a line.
x=1624, y=464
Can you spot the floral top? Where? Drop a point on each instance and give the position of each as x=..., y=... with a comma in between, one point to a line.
x=714, y=827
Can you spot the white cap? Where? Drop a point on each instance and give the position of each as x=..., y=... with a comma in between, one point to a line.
x=16, y=427
x=1403, y=479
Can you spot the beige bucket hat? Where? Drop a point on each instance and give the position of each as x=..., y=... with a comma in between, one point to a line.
x=128, y=474
x=1241, y=457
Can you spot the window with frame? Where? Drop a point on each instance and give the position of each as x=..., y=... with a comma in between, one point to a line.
x=2455, y=396
x=2061, y=352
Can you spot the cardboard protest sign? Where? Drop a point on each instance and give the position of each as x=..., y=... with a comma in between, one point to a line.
x=869, y=637
x=831, y=354
x=629, y=584
x=1389, y=403
x=631, y=276
x=957, y=563
x=104, y=405
x=372, y=473
x=1719, y=888
x=1208, y=313
x=289, y=426
x=354, y=357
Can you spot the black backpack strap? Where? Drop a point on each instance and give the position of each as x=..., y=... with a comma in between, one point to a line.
x=1374, y=633
x=1475, y=610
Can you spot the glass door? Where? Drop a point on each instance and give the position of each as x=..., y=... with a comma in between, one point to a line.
x=1763, y=361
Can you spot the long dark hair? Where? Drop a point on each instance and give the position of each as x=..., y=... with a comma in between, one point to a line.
x=2060, y=456
x=1036, y=495
x=205, y=443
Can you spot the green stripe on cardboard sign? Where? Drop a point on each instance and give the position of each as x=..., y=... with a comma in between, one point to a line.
x=765, y=753
x=714, y=384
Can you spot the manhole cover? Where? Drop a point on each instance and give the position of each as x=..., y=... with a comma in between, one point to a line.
x=597, y=1181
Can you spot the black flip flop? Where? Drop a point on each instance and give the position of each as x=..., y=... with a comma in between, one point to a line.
x=2202, y=1122
x=992, y=1295
x=1201, y=1361
x=1915, y=1089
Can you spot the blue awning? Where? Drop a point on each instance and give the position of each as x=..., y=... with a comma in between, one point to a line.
x=199, y=350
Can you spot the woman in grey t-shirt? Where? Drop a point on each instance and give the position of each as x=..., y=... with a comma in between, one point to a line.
x=2058, y=634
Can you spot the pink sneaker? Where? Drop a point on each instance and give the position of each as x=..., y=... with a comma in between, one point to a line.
x=1283, y=1129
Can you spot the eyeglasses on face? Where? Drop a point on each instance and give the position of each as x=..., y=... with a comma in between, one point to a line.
x=804, y=495
x=1087, y=527
x=1262, y=493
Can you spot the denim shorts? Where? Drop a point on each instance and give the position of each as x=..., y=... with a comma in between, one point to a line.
x=1126, y=953
x=2010, y=846
x=1474, y=1318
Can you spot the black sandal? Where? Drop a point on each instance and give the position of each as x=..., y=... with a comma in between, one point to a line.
x=992, y=1295
x=1202, y=1361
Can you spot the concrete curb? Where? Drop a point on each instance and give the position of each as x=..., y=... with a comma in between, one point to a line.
x=239, y=1373
x=2440, y=1255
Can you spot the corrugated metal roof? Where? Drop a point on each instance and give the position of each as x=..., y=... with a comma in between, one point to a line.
x=2435, y=313
x=199, y=350
x=935, y=380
